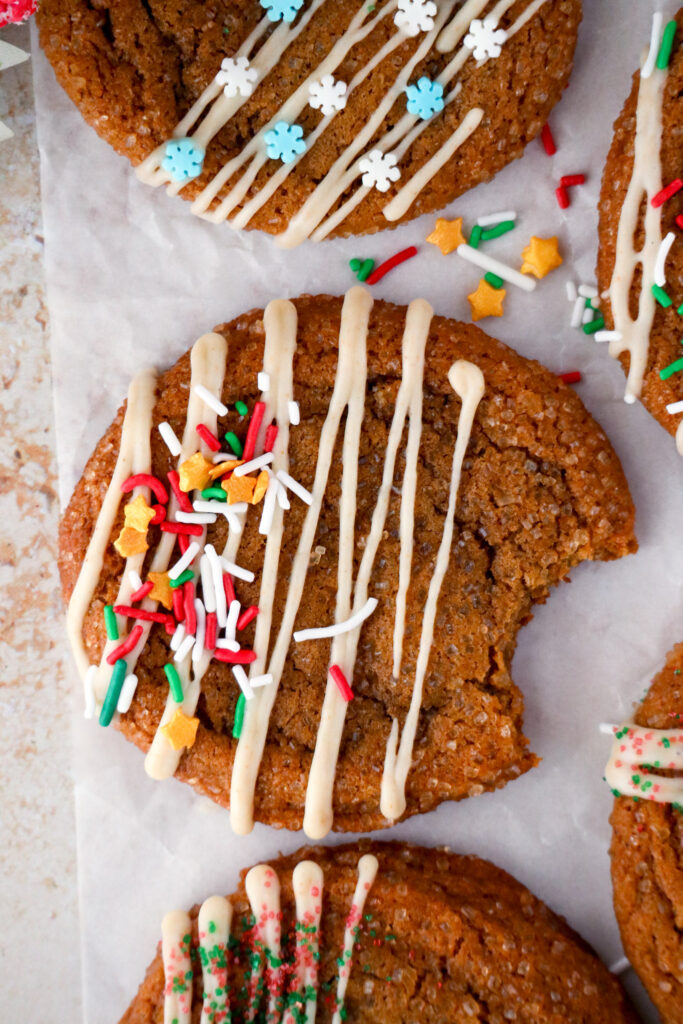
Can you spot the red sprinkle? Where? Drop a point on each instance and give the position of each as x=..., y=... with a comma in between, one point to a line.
x=142, y=591
x=170, y=627
x=548, y=140
x=179, y=604
x=190, y=529
x=667, y=193
x=573, y=179
x=384, y=268
x=183, y=543
x=341, y=681
x=562, y=197
x=679, y=220
x=126, y=647
x=247, y=616
x=190, y=613
x=229, y=588
x=271, y=437
x=252, y=431
x=208, y=438
x=211, y=629
x=159, y=515
x=573, y=377
x=140, y=613
x=235, y=657
x=184, y=503
x=146, y=480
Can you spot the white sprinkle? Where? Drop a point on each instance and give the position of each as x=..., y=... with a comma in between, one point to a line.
x=238, y=571
x=674, y=407
x=257, y=681
x=234, y=521
x=211, y=400
x=223, y=457
x=268, y=507
x=282, y=499
x=294, y=486
x=655, y=38
x=134, y=580
x=588, y=291
x=588, y=315
x=207, y=584
x=480, y=259
x=214, y=505
x=217, y=574
x=170, y=439
x=89, y=692
x=196, y=517
x=607, y=336
x=660, y=263
x=200, y=632
x=178, y=637
x=607, y=729
x=496, y=218
x=130, y=684
x=183, y=562
x=577, y=312
x=263, y=381
x=257, y=463
x=620, y=966
x=571, y=291
x=323, y=632
x=227, y=645
x=294, y=413
x=233, y=616
x=243, y=681
x=184, y=649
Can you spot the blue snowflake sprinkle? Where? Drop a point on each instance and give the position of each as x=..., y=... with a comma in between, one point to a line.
x=425, y=98
x=184, y=159
x=284, y=142
x=282, y=10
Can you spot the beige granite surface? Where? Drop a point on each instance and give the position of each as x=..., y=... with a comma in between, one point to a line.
x=38, y=900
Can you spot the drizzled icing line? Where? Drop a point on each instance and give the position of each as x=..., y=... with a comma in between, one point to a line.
x=635, y=751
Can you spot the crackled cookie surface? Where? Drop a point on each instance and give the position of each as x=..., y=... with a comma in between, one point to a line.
x=315, y=625
x=315, y=118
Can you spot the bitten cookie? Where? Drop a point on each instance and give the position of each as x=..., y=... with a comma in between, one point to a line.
x=316, y=118
x=640, y=259
x=315, y=625
x=647, y=840
x=376, y=932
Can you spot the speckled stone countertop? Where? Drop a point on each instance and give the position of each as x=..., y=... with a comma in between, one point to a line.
x=39, y=962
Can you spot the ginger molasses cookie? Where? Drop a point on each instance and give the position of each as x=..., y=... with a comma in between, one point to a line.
x=646, y=767
x=297, y=562
x=640, y=259
x=311, y=118
x=376, y=931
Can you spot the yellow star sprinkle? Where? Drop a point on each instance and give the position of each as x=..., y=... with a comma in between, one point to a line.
x=239, y=488
x=541, y=256
x=261, y=487
x=447, y=235
x=161, y=591
x=224, y=467
x=195, y=473
x=138, y=514
x=131, y=542
x=181, y=731
x=486, y=301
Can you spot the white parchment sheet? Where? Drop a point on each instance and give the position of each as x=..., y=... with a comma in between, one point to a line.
x=134, y=278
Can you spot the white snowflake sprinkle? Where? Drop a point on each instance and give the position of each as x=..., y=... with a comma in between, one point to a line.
x=237, y=76
x=484, y=39
x=415, y=16
x=327, y=95
x=379, y=170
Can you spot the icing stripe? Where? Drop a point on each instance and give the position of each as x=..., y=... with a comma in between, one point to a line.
x=307, y=883
x=213, y=925
x=176, y=943
x=367, y=872
x=467, y=381
x=263, y=891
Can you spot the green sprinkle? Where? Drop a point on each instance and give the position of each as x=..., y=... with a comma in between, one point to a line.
x=497, y=230
x=235, y=443
x=493, y=280
x=217, y=493
x=113, y=692
x=239, y=717
x=664, y=54
x=680, y=309
x=475, y=237
x=669, y=370
x=174, y=683
x=110, y=623
x=588, y=304
x=242, y=407
x=362, y=268
x=184, y=577
x=661, y=296
x=594, y=325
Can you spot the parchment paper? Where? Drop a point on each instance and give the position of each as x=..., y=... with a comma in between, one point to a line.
x=134, y=278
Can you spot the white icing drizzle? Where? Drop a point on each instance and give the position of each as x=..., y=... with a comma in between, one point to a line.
x=307, y=883
x=318, y=812
x=367, y=872
x=263, y=892
x=349, y=390
x=213, y=926
x=176, y=943
x=646, y=181
x=635, y=746
x=467, y=381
